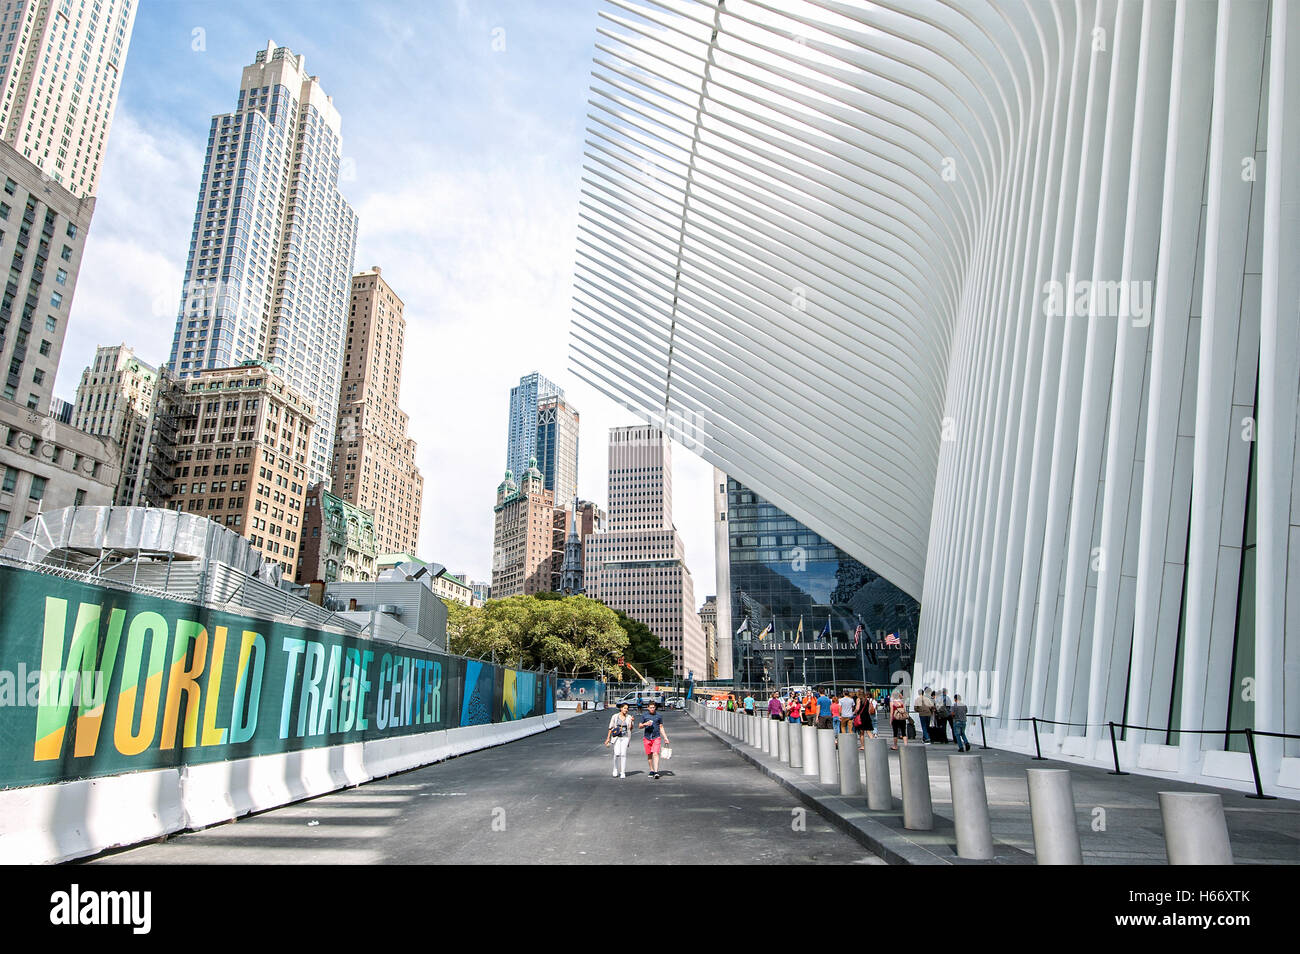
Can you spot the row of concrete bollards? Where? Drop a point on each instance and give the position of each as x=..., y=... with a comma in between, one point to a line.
x=1195, y=828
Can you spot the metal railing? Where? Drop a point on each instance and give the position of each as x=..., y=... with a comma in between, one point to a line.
x=1249, y=733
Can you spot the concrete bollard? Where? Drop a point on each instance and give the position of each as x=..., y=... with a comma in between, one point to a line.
x=783, y=741
x=879, y=796
x=755, y=738
x=828, y=768
x=811, y=757
x=796, y=746
x=770, y=735
x=850, y=776
x=970, y=807
x=914, y=771
x=1196, y=830
x=1051, y=806
x=764, y=732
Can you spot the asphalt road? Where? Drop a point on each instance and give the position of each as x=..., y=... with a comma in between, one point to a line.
x=548, y=798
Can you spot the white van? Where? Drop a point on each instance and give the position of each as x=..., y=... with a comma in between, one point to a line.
x=641, y=698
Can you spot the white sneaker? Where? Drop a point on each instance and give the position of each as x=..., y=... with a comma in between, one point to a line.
x=615, y=773
x=622, y=775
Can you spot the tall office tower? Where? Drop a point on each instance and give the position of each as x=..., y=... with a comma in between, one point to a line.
x=42, y=233
x=115, y=399
x=374, y=461
x=525, y=400
x=522, y=539
x=775, y=572
x=242, y=442
x=639, y=564
x=60, y=72
x=270, y=262
x=557, y=447
x=709, y=620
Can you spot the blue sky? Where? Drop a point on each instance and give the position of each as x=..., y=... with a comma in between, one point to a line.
x=463, y=128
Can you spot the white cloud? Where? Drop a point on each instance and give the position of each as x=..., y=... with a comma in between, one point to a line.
x=130, y=280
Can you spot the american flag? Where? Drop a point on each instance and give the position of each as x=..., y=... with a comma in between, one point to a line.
x=857, y=635
x=892, y=640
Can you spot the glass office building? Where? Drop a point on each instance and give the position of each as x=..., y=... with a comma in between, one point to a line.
x=797, y=601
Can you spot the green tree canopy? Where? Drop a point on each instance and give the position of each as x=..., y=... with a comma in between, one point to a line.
x=574, y=634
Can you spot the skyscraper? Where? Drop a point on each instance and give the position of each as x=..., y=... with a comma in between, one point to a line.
x=60, y=70
x=242, y=440
x=523, y=536
x=639, y=564
x=115, y=399
x=557, y=447
x=778, y=573
x=525, y=400
x=374, y=461
x=270, y=262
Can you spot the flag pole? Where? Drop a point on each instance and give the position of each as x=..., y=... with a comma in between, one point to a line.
x=831, y=638
x=862, y=654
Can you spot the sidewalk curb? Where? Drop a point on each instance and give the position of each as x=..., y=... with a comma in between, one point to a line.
x=855, y=822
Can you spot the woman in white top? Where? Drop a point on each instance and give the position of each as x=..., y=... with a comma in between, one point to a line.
x=620, y=732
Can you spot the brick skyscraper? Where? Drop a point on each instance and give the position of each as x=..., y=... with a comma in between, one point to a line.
x=374, y=461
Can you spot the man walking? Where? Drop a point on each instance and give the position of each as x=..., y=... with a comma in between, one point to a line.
x=655, y=738
x=846, y=712
x=775, y=710
x=823, y=711
x=749, y=704
x=959, y=725
x=924, y=708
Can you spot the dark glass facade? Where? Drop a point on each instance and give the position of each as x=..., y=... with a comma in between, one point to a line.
x=781, y=574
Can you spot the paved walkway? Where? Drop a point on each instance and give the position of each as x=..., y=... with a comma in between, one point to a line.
x=545, y=799
x=1118, y=816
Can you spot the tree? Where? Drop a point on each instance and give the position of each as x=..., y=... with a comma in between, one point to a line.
x=644, y=649
x=574, y=634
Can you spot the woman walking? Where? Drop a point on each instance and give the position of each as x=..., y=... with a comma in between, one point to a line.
x=898, y=719
x=620, y=731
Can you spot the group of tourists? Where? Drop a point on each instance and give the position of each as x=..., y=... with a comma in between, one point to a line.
x=937, y=713
x=855, y=711
x=851, y=711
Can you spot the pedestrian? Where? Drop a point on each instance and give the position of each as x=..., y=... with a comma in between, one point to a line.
x=749, y=703
x=847, y=708
x=945, y=706
x=959, y=725
x=810, y=708
x=655, y=738
x=620, y=732
x=823, y=711
x=775, y=710
x=938, y=720
x=865, y=718
x=835, y=712
x=924, y=707
x=793, y=708
x=898, y=718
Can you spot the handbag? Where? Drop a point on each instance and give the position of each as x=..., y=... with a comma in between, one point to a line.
x=666, y=753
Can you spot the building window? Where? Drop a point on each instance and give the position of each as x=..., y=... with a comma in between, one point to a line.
x=38, y=489
x=79, y=499
x=10, y=186
x=72, y=231
x=10, y=481
x=56, y=299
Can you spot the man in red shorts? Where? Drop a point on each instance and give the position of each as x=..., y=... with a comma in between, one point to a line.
x=655, y=738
